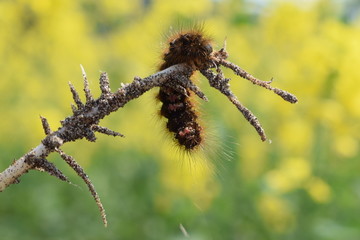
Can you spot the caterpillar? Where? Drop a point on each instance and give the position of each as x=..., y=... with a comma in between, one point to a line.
x=193, y=48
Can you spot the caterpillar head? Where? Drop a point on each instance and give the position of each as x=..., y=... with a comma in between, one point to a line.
x=188, y=47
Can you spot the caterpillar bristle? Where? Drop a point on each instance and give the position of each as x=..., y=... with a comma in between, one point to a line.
x=193, y=48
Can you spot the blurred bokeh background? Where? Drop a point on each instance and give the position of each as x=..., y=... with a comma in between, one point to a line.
x=304, y=185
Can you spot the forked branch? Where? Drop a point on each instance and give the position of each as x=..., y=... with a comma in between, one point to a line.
x=86, y=116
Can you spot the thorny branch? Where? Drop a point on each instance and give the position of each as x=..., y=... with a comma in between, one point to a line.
x=86, y=116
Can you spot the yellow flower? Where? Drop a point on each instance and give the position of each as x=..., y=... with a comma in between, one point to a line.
x=319, y=190
x=276, y=213
x=290, y=175
x=346, y=146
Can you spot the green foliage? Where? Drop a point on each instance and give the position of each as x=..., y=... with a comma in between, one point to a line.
x=304, y=185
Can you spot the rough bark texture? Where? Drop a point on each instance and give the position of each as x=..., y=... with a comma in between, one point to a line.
x=86, y=116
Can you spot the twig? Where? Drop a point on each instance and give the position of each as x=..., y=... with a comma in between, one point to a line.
x=222, y=84
x=106, y=131
x=78, y=169
x=82, y=125
x=45, y=125
x=41, y=164
x=86, y=116
x=105, y=84
x=76, y=97
x=87, y=91
x=266, y=84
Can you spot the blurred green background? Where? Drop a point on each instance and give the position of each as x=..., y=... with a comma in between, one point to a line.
x=304, y=185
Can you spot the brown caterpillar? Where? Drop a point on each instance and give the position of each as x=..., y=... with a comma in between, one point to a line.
x=192, y=48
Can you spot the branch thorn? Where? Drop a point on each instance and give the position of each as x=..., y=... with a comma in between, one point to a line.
x=45, y=125
x=106, y=131
x=80, y=172
x=76, y=97
x=104, y=83
x=89, y=97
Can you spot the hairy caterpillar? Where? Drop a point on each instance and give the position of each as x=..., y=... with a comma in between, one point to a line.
x=192, y=48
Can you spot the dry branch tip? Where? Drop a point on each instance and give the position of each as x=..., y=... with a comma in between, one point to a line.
x=104, y=83
x=76, y=96
x=265, y=84
x=88, y=95
x=106, y=131
x=219, y=82
x=43, y=165
x=81, y=173
x=45, y=125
